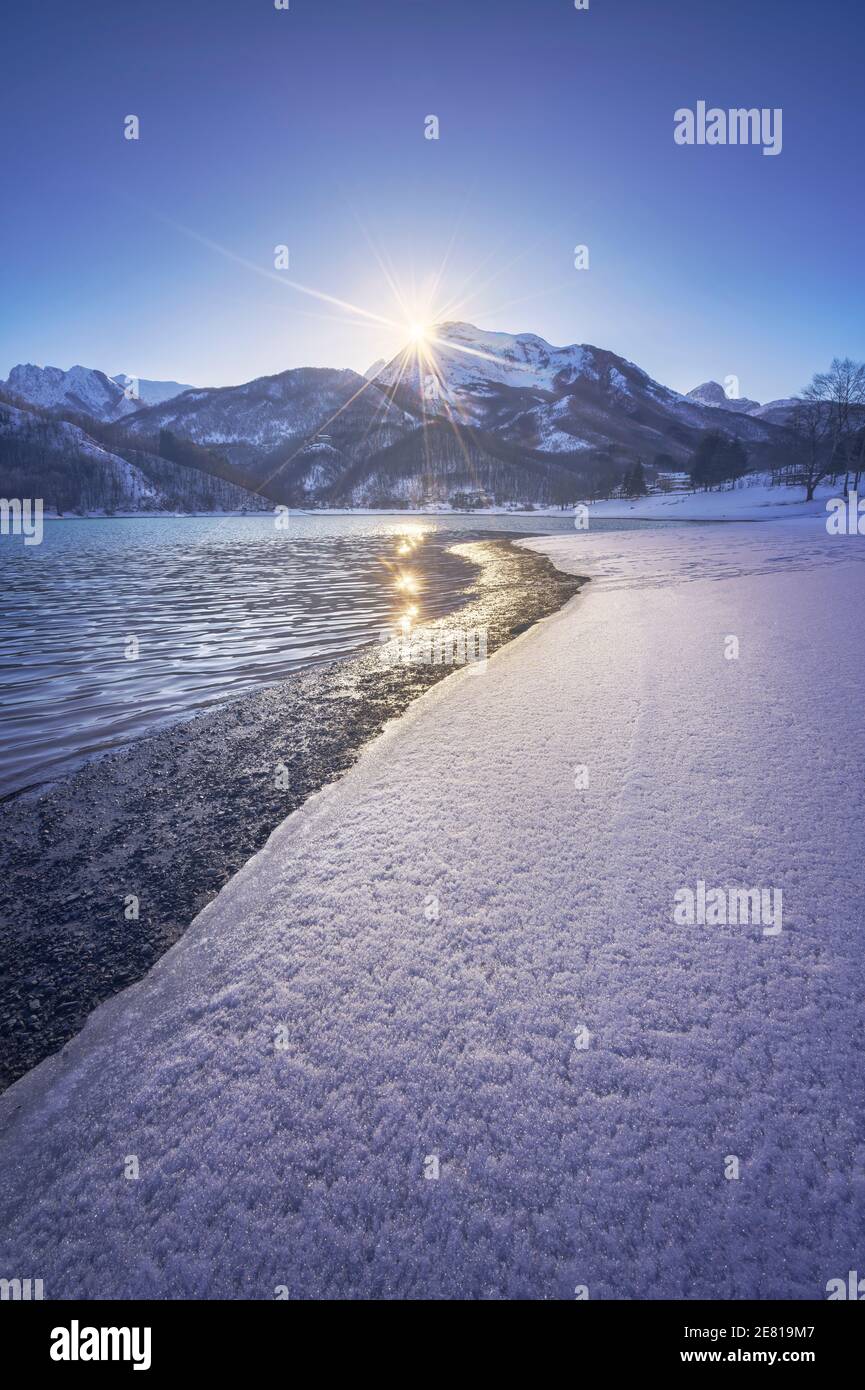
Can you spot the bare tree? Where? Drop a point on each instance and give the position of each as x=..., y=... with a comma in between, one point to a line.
x=842, y=392
x=811, y=425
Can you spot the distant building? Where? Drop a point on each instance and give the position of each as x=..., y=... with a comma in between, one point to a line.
x=672, y=482
x=471, y=499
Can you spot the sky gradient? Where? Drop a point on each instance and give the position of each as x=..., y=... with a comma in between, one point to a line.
x=306, y=127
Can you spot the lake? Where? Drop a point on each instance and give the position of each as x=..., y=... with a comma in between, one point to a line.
x=114, y=627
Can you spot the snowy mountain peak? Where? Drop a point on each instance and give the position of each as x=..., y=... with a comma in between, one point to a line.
x=87, y=391
x=457, y=360
x=83, y=390
x=712, y=393
x=526, y=351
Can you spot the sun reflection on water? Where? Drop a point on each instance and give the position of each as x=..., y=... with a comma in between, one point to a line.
x=407, y=538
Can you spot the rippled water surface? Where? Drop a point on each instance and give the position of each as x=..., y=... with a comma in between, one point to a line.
x=217, y=606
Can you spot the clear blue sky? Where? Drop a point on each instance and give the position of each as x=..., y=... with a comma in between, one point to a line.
x=306, y=127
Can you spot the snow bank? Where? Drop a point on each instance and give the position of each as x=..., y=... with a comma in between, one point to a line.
x=750, y=501
x=462, y=959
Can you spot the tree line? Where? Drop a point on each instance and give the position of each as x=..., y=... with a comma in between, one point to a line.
x=829, y=425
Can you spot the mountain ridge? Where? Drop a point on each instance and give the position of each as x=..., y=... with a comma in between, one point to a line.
x=87, y=390
x=509, y=415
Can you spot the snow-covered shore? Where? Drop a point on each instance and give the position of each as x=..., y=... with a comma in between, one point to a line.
x=753, y=499
x=462, y=959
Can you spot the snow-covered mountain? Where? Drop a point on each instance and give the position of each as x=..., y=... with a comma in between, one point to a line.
x=573, y=400
x=57, y=461
x=459, y=364
x=507, y=414
x=777, y=412
x=63, y=465
x=712, y=393
x=145, y=392
x=309, y=421
x=80, y=390
x=87, y=391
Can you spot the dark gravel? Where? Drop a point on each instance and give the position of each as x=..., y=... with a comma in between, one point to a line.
x=171, y=818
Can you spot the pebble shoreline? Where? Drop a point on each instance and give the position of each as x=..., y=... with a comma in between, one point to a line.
x=171, y=818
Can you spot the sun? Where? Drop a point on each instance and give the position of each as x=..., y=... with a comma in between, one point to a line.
x=417, y=332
